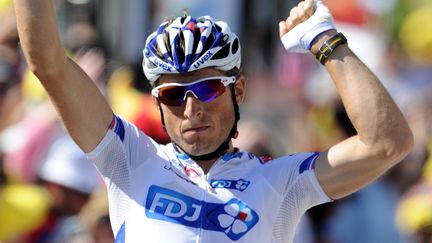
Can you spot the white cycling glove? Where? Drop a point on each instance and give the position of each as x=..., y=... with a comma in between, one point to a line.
x=301, y=37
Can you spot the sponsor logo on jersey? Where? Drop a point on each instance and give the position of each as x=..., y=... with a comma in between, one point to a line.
x=239, y=185
x=170, y=168
x=265, y=159
x=233, y=218
x=192, y=172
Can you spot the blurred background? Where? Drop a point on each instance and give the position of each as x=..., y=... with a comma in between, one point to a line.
x=291, y=106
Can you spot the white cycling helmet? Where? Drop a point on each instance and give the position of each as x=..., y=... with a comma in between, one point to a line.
x=188, y=44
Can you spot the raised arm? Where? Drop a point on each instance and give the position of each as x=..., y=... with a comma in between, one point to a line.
x=383, y=136
x=82, y=108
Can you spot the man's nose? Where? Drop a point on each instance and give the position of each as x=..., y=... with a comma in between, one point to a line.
x=193, y=106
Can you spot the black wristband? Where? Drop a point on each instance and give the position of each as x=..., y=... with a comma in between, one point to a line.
x=329, y=46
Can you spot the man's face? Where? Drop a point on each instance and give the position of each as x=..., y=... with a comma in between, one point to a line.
x=196, y=126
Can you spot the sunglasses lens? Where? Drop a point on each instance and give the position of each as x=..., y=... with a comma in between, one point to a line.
x=172, y=95
x=206, y=91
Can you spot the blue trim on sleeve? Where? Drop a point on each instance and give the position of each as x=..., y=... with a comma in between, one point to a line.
x=120, y=130
x=120, y=237
x=118, y=127
x=308, y=163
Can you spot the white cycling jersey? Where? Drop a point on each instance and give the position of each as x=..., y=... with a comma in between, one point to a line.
x=159, y=195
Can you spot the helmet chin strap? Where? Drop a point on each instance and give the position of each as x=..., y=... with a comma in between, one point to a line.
x=221, y=150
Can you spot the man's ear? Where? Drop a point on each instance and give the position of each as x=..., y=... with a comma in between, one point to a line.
x=240, y=88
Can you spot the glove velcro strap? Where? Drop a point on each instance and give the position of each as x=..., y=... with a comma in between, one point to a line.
x=329, y=46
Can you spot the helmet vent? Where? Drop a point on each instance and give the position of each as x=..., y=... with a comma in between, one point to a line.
x=180, y=49
x=208, y=44
x=235, y=46
x=218, y=28
x=222, y=53
x=197, y=36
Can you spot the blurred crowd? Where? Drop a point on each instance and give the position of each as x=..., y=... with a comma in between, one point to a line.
x=49, y=192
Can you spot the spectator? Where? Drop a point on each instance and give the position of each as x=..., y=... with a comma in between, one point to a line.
x=70, y=179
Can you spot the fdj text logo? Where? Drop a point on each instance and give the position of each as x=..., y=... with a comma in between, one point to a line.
x=240, y=185
x=233, y=218
x=174, y=207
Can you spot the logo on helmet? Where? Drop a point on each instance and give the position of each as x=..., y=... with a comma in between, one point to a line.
x=162, y=65
x=202, y=60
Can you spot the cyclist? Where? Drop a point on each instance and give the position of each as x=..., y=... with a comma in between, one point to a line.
x=199, y=188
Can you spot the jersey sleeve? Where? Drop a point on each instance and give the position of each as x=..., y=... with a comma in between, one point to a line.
x=122, y=149
x=293, y=178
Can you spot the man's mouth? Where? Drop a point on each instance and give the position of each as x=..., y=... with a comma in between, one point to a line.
x=195, y=129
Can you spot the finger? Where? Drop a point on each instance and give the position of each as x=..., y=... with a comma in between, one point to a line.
x=282, y=28
x=285, y=26
x=296, y=16
x=303, y=15
x=289, y=24
x=301, y=6
x=308, y=7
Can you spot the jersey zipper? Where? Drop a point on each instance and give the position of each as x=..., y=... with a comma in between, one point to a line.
x=204, y=191
x=205, y=183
